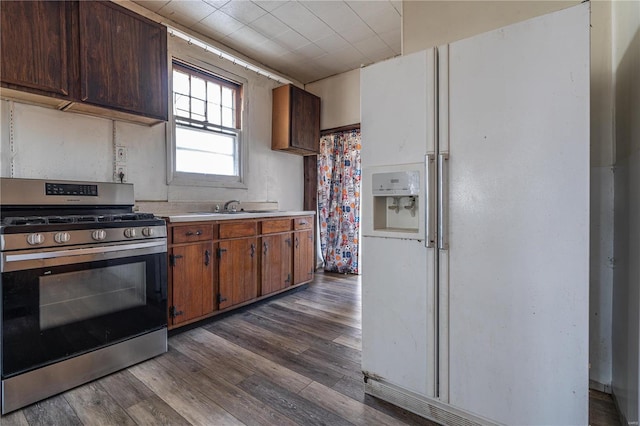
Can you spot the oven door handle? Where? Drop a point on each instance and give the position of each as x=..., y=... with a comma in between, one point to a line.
x=20, y=261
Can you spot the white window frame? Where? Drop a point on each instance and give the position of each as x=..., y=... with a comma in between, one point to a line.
x=175, y=177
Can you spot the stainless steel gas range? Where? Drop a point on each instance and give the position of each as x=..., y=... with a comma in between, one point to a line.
x=83, y=285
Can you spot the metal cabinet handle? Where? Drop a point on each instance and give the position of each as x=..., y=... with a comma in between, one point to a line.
x=303, y=222
x=443, y=201
x=190, y=233
x=266, y=247
x=253, y=249
x=207, y=257
x=297, y=242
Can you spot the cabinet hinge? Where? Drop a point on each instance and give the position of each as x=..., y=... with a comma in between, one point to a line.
x=173, y=257
x=221, y=299
x=219, y=252
x=288, y=280
x=174, y=313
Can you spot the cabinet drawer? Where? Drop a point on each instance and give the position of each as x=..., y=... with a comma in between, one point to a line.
x=238, y=229
x=305, y=222
x=273, y=226
x=187, y=233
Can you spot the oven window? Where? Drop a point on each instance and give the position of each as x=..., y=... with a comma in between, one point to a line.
x=76, y=296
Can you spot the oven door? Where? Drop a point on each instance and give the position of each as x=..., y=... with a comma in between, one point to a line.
x=57, y=304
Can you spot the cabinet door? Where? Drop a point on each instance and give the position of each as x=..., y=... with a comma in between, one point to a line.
x=238, y=267
x=35, y=46
x=123, y=60
x=305, y=120
x=303, y=262
x=192, y=278
x=276, y=262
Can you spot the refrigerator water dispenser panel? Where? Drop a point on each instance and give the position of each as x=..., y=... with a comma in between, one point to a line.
x=394, y=197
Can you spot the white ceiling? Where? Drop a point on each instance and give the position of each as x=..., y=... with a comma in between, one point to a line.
x=306, y=40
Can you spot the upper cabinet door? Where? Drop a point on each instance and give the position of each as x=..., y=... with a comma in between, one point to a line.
x=123, y=60
x=35, y=56
x=305, y=120
x=295, y=121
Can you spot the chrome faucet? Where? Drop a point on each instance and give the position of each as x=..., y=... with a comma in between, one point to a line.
x=228, y=203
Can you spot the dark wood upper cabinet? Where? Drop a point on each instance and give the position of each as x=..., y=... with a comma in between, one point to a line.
x=295, y=121
x=35, y=46
x=94, y=57
x=123, y=60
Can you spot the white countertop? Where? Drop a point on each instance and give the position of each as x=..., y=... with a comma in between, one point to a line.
x=204, y=216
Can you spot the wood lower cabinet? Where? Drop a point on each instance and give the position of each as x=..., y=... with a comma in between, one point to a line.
x=192, y=281
x=277, y=257
x=238, y=262
x=303, y=260
x=303, y=263
x=238, y=266
x=221, y=265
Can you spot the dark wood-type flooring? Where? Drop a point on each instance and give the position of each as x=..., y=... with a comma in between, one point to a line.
x=291, y=360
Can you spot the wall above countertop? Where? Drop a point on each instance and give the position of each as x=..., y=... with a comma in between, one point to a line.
x=39, y=142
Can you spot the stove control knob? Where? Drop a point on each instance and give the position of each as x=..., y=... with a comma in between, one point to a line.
x=35, y=239
x=99, y=234
x=147, y=232
x=130, y=232
x=61, y=237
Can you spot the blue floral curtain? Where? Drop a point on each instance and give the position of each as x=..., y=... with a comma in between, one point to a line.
x=339, y=174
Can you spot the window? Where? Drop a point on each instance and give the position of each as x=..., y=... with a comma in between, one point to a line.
x=207, y=112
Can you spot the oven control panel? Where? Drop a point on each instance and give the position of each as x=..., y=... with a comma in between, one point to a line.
x=71, y=189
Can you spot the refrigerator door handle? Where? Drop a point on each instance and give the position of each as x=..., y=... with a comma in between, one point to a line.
x=443, y=201
x=430, y=216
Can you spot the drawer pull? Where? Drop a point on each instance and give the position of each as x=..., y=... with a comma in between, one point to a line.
x=303, y=222
x=189, y=233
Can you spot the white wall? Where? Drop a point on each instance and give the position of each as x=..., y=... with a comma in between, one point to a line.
x=432, y=23
x=340, y=94
x=62, y=145
x=626, y=296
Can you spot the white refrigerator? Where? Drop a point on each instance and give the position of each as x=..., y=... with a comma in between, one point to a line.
x=475, y=224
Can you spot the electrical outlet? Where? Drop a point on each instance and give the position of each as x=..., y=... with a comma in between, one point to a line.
x=120, y=174
x=121, y=154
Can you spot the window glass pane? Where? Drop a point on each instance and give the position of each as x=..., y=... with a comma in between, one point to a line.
x=213, y=110
x=205, y=152
x=227, y=117
x=180, y=82
x=197, y=109
x=213, y=114
x=227, y=97
x=196, y=162
x=181, y=105
x=213, y=92
x=198, y=87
